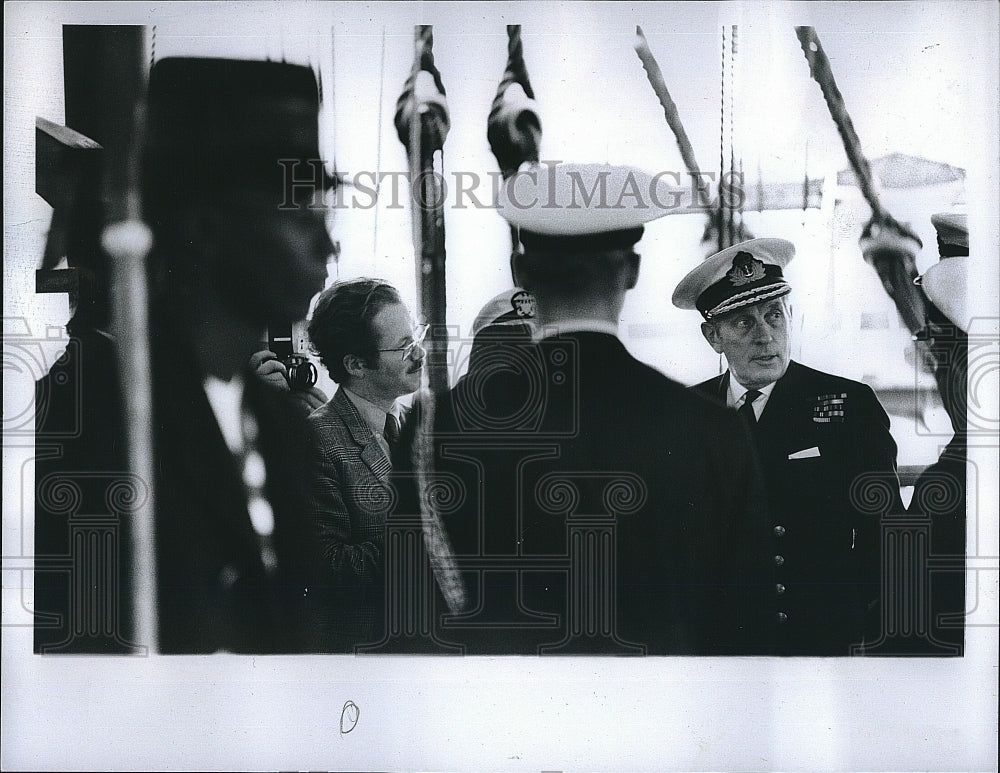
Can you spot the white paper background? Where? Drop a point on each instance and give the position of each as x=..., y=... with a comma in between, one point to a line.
x=918, y=78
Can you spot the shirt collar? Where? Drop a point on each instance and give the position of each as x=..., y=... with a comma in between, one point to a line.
x=737, y=390
x=373, y=416
x=226, y=400
x=576, y=325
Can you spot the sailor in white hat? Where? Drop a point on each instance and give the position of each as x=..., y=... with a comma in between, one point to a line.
x=818, y=435
x=940, y=492
x=946, y=283
x=670, y=471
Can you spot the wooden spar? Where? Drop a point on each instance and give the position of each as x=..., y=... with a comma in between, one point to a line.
x=126, y=241
x=422, y=125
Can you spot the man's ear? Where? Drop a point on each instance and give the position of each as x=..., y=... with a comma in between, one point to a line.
x=354, y=365
x=711, y=334
x=517, y=270
x=632, y=268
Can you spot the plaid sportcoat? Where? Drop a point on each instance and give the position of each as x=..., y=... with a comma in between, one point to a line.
x=349, y=501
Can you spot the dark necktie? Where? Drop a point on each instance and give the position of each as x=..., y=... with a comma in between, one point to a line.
x=391, y=430
x=747, y=408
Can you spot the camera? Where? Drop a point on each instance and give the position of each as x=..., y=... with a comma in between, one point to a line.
x=300, y=372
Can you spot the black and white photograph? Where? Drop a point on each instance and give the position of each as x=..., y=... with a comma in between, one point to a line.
x=521, y=386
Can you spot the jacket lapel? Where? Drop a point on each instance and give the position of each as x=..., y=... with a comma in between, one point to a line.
x=371, y=451
x=780, y=410
x=721, y=386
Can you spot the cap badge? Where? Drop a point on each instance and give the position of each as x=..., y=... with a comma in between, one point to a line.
x=746, y=269
x=523, y=303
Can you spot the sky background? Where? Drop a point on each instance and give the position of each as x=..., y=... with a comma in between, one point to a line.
x=918, y=78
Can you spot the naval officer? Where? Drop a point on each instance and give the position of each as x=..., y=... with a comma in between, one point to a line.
x=824, y=447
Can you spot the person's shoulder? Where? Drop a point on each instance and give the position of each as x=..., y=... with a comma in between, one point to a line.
x=326, y=414
x=709, y=386
x=696, y=401
x=814, y=379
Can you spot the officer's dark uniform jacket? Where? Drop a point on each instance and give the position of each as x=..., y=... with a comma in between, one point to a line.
x=606, y=509
x=829, y=466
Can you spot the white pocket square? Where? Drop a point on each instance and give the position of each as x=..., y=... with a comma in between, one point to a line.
x=808, y=453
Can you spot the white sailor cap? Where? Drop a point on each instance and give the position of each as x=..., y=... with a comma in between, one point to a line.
x=589, y=206
x=736, y=277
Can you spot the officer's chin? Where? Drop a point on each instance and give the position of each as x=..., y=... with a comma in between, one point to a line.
x=764, y=372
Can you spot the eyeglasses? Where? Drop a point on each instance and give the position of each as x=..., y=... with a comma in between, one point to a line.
x=419, y=334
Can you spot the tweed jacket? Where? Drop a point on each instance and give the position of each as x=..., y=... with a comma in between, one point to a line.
x=829, y=466
x=350, y=499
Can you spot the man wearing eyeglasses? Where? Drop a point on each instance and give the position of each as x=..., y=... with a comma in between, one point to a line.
x=364, y=335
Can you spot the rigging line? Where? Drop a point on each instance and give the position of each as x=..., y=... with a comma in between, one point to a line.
x=742, y=230
x=732, y=150
x=717, y=214
x=336, y=136
x=378, y=143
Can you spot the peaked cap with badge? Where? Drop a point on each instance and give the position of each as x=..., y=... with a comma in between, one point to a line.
x=736, y=277
x=510, y=308
x=946, y=283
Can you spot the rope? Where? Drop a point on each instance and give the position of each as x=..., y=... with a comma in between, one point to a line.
x=720, y=215
x=669, y=108
x=378, y=145
x=819, y=68
x=731, y=227
x=513, y=127
x=434, y=133
x=886, y=244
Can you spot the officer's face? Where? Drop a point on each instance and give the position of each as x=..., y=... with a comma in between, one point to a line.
x=392, y=374
x=755, y=341
x=274, y=260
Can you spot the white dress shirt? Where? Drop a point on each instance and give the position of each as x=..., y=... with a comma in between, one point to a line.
x=737, y=393
x=578, y=325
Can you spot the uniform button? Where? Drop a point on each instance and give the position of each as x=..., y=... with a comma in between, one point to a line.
x=229, y=576
x=779, y=560
x=779, y=531
x=782, y=617
x=779, y=588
